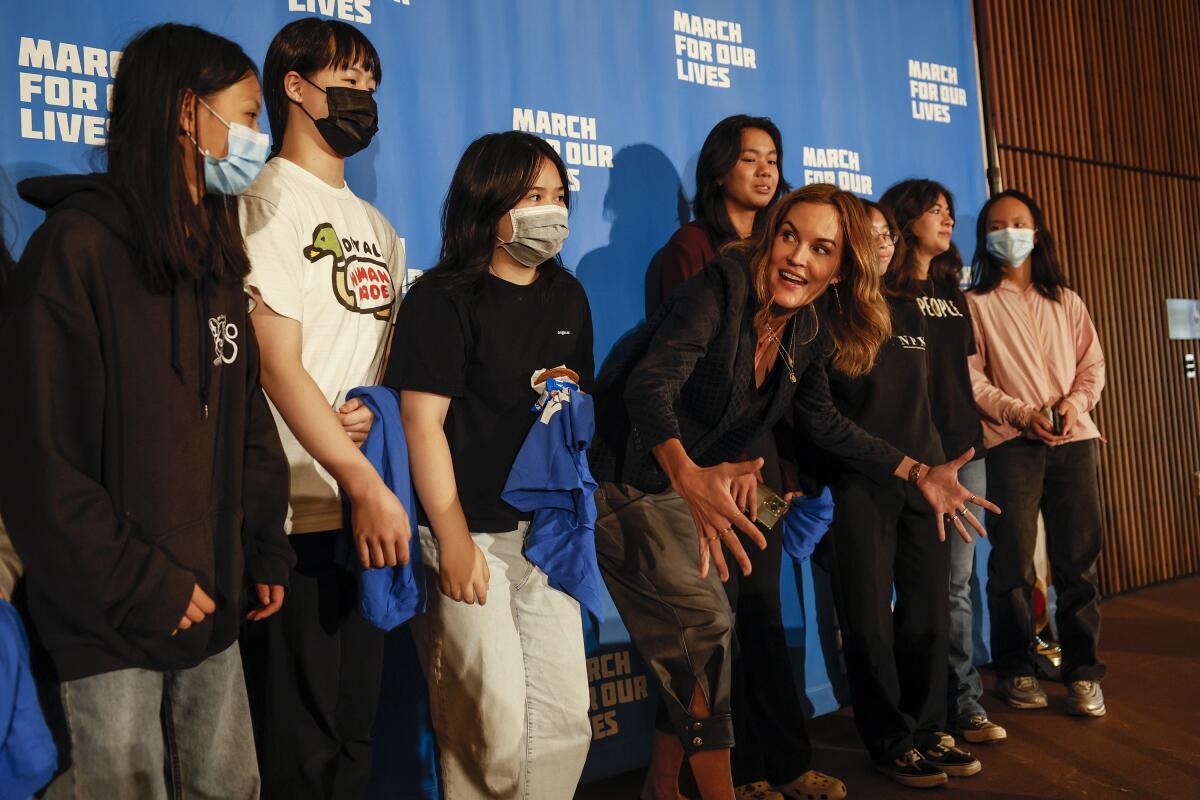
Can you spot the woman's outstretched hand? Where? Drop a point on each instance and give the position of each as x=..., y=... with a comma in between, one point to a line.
x=709, y=493
x=949, y=498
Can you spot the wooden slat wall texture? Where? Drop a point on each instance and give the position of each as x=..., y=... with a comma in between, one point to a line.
x=1095, y=106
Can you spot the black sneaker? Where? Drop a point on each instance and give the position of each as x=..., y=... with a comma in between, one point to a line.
x=913, y=770
x=952, y=761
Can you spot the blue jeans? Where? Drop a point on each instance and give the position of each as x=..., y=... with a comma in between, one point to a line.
x=964, y=687
x=139, y=733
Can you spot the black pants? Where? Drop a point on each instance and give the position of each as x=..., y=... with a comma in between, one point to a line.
x=313, y=673
x=768, y=720
x=1024, y=476
x=885, y=536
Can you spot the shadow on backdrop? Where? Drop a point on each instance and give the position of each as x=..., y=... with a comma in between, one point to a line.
x=644, y=204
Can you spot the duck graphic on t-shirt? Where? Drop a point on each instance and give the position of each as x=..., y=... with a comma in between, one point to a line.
x=361, y=281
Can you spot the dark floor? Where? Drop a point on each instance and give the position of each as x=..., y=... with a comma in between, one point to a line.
x=1147, y=747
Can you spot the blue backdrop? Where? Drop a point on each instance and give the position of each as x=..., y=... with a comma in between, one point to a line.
x=866, y=92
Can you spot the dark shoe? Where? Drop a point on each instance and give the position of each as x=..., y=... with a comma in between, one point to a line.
x=977, y=728
x=914, y=771
x=1085, y=699
x=952, y=761
x=1023, y=691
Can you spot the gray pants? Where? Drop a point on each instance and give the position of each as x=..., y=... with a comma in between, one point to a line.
x=682, y=625
x=142, y=734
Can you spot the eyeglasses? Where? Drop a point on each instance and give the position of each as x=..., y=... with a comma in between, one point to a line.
x=885, y=238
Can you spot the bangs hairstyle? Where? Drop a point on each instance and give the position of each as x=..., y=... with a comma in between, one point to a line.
x=493, y=175
x=907, y=201
x=1045, y=270
x=179, y=240
x=721, y=151
x=306, y=47
x=859, y=323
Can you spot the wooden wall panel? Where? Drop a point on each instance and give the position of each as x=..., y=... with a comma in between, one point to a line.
x=1095, y=110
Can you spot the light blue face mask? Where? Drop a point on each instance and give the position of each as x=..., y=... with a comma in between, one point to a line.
x=248, y=151
x=1010, y=246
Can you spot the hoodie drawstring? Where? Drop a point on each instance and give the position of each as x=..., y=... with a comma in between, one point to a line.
x=204, y=364
x=176, y=361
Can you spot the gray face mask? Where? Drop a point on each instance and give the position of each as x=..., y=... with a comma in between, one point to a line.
x=538, y=234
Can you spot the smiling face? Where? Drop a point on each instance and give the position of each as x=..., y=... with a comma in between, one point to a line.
x=752, y=181
x=805, y=255
x=933, y=229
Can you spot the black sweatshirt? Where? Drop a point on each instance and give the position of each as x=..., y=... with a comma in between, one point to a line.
x=688, y=373
x=140, y=457
x=892, y=400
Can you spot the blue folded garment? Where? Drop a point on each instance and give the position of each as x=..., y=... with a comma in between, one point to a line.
x=388, y=596
x=550, y=477
x=28, y=757
x=805, y=523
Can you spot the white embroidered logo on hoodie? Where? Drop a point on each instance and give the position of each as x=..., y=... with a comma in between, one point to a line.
x=224, y=346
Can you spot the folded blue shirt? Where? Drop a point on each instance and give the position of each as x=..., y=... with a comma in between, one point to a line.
x=28, y=757
x=805, y=523
x=388, y=596
x=550, y=477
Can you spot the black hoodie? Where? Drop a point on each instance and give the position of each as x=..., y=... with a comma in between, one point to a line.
x=139, y=454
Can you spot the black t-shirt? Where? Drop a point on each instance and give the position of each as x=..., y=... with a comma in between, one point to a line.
x=892, y=400
x=951, y=340
x=480, y=348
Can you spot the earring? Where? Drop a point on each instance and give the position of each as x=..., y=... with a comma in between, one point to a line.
x=837, y=298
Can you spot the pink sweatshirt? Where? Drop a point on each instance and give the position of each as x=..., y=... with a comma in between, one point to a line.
x=1030, y=353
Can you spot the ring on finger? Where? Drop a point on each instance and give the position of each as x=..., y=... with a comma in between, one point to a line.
x=973, y=499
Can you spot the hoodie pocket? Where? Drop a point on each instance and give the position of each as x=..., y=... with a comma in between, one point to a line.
x=182, y=558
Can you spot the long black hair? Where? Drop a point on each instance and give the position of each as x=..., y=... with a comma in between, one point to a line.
x=492, y=176
x=721, y=150
x=178, y=239
x=1045, y=271
x=907, y=201
x=307, y=46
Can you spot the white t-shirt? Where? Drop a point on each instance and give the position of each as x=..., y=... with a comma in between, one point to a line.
x=330, y=261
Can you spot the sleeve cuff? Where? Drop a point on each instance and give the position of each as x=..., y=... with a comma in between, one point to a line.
x=273, y=570
x=279, y=301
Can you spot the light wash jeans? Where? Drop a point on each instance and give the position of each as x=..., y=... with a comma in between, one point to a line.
x=508, y=686
x=964, y=687
x=140, y=734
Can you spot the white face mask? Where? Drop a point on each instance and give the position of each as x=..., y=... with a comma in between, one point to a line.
x=538, y=234
x=1010, y=246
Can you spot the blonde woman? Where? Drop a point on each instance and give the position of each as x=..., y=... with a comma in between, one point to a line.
x=724, y=358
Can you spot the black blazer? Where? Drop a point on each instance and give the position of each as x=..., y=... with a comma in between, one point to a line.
x=688, y=373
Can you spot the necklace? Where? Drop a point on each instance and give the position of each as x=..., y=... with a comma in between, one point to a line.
x=787, y=357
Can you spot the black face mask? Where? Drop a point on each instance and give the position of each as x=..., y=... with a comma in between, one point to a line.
x=353, y=119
